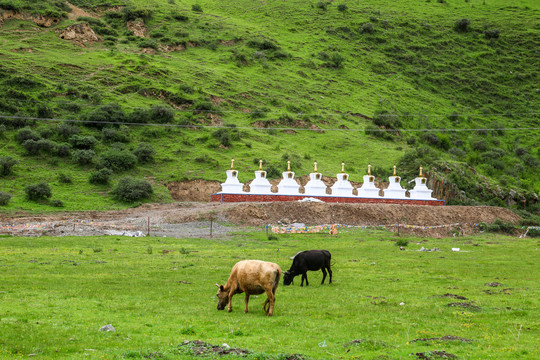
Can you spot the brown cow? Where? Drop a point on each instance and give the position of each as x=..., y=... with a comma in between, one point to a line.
x=253, y=277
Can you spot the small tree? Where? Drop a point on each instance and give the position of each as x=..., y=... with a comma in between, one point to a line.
x=100, y=177
x=144, y=153
x=6, y=165
x=118, y=160
x=130, y=189
x=462, y=25
x=4, y=198
x=36, y=192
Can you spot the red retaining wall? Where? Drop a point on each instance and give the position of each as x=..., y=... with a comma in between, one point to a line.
x=330, y=199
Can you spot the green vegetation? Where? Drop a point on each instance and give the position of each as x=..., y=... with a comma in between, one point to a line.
x=448, y=85
x=159, y=292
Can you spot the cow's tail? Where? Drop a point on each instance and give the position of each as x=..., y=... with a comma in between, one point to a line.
x=277, y=278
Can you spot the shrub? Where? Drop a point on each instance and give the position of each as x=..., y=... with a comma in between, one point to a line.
x=83, y=142
x=262, y=44
x=36, y=147
x=492, y=34
x=140, y=116
x=335, y=61
x=367, y=28
x=462, y=25
x=196, y=8
x=100, y=177
x=64, y=179
x=83, y=157
x=112, y=135
x=500, y=226
x=41, y=191
x=322, y=5
x=342, y=7
x=402, y=242
x=118, y=160
x=180, y=17
x=4, y=198
x=57, y=203
x=131, y=13
x=26, y=134
x=144, y=153
x=62, y=149
x=106, y=114
x=129, y=189
x=66, y=130
x=161, y=114
x=6, y=165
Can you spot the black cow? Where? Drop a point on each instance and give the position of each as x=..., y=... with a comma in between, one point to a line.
x=312, y=260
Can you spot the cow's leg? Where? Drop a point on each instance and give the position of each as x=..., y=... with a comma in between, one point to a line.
x=271, y=301
x=304, y=276
x=231, y=293
x=323, y=274
x=247, y=301
x=330, y=272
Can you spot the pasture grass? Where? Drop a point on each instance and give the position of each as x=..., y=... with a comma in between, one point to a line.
x=56, y=293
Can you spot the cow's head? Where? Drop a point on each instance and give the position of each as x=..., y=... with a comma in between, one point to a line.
x=288, y=278
x=223, y=297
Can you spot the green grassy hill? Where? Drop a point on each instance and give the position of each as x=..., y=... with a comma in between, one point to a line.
x=448, y=85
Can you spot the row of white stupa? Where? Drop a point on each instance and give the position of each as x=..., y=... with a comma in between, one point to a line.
x=316, y=187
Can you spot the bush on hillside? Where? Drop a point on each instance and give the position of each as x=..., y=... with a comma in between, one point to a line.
x=4, y=198
x=118, y=160
x=196, y=8
x=83, y=142
x=64, y=178
x=112, y=135
x=161, y=114
x=342, y=7
x=462, y=25
x=492, y=34
x=144, y=152
x=57, y=203
x=62, y=149
x=129, y=189
x=65, y=131
x=83, y=157
x=36, y=192
x=100, y=177
x=26, y=134
x=104, y=115
x=500, y=226
x=40, y=146
x=131, y=13
x=6, y=165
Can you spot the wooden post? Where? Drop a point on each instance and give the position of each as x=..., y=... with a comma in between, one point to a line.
x=148, y=234
x=211, y=223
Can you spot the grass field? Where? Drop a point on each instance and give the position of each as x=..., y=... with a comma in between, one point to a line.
x=56, y=293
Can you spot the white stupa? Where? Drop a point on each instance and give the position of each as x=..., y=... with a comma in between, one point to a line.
x=232, y=185
x=288, y=185
x=260, y=185
x=421, y=191
x=342, y=187
x=368, y=189
x=315, y=186
x=394, y=189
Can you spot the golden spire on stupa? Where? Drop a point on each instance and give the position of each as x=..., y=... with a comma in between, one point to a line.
x=395, y=170
x=260, y=164
x=421, y=175
x=315, y=168
x=232, y=163
x=369, y=169
x=288, y=165
x=342, y=167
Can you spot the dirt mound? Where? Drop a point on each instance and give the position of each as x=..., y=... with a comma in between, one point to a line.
x=193, y=190
x=78, y=12
x=80, y=33
x=138, y=27
x=39, y=20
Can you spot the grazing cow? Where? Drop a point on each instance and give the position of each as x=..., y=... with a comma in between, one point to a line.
x=308, y=260
x=253, y=277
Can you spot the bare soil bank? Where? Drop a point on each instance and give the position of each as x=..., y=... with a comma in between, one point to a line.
x=183, y=218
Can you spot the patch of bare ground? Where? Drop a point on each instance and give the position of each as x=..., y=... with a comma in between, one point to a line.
x=445, y=338
x=466, y=305
x=454, y=296
x=201, y=348
x=77, y=12
x=80, y=33
x=435, y=354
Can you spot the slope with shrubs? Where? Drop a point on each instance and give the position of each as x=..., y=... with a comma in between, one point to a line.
x=446, y=85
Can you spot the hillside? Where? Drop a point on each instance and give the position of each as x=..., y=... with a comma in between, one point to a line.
x=169, y=91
